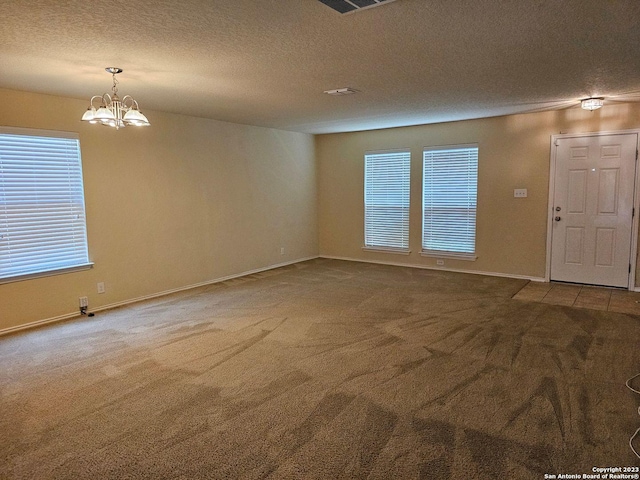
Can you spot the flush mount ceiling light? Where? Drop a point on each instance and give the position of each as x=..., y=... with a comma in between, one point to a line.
x=592, y=103
x=114, y=112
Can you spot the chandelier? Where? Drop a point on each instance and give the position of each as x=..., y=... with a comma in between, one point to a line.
x=114, y=112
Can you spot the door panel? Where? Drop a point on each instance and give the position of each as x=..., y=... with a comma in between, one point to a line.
x=592, y=211
x=608, y=191
x=605, y=247
x=577, y=202
x=574, y=246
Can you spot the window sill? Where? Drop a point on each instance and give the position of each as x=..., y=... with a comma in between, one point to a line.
x=450, y=255
x=48, y=273
x=396, y=251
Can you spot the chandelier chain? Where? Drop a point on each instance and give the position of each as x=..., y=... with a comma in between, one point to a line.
x=115, y=83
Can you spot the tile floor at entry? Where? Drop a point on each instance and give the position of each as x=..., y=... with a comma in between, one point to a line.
x=582, y=296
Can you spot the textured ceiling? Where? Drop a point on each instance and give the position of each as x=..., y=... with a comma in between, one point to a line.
x=267, y=62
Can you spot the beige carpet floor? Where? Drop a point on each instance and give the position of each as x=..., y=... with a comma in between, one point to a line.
x=323, y=370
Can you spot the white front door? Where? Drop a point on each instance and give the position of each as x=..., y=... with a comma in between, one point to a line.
x=593, y=209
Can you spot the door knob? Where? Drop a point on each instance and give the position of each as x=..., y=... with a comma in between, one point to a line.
x=557, y=219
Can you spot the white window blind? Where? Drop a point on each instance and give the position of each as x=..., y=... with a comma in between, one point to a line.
x=449, y=200
x=42, y=216
x=386, y=200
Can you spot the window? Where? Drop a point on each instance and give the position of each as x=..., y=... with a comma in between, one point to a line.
x=42, y=219
x=386, y=200
x=449, y=201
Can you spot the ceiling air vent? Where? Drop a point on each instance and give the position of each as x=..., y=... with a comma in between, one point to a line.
x=338, y=92
x=349, y=6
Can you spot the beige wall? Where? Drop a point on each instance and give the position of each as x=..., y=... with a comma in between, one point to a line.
x=185, y=201
x=514, y=152
x=190, y=200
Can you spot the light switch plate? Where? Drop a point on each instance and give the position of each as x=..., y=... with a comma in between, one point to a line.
x=520, y=193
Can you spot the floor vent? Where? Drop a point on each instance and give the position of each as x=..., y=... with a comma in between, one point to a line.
x=349, y=6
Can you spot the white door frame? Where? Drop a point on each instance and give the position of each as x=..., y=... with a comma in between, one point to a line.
x=636, y=200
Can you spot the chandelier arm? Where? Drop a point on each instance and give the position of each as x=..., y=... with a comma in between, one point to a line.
x=92, y=98
x=106, y=103
x=125, y=98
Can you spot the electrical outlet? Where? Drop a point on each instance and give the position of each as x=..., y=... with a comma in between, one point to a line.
x=520, y=193
x=440, y=262
x=100, y=287
x=281, y=250
x=84, y=302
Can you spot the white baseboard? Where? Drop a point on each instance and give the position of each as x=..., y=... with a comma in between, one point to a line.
x=446, y=269
x=69, y=316
x=201, y=284
x=38, y=323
